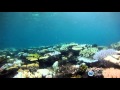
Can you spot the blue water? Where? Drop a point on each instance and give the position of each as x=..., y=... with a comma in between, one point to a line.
x=26, y=29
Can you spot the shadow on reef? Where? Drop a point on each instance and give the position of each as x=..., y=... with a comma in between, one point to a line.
x=8, y=73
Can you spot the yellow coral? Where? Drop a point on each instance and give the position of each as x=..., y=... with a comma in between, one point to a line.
x=33, y=65
x=33, y=57
x=43, y=57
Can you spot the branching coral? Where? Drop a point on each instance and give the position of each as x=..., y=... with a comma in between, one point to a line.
x=100, y=55
x=107, y=58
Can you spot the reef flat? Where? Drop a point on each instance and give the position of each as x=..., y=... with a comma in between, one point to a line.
x=67, y=60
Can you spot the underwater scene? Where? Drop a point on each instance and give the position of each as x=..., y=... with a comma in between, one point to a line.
x=59, y=44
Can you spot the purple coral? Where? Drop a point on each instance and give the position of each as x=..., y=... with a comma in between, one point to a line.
x=100, y=55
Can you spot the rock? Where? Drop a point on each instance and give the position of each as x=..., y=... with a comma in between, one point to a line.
x=44, y=72
x=55, y=66
x=48, y=76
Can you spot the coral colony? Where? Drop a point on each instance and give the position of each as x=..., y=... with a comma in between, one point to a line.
x=71, y=60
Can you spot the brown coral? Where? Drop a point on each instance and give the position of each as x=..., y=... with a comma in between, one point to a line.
x=111, y=73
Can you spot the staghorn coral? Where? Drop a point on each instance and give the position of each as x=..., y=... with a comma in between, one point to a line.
x=100, y=55
x=107, y=58
x=111, y=73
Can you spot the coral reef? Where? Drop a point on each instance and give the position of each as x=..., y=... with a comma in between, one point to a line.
x=66, y=60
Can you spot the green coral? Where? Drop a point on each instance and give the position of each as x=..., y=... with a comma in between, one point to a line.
x=88, y=52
